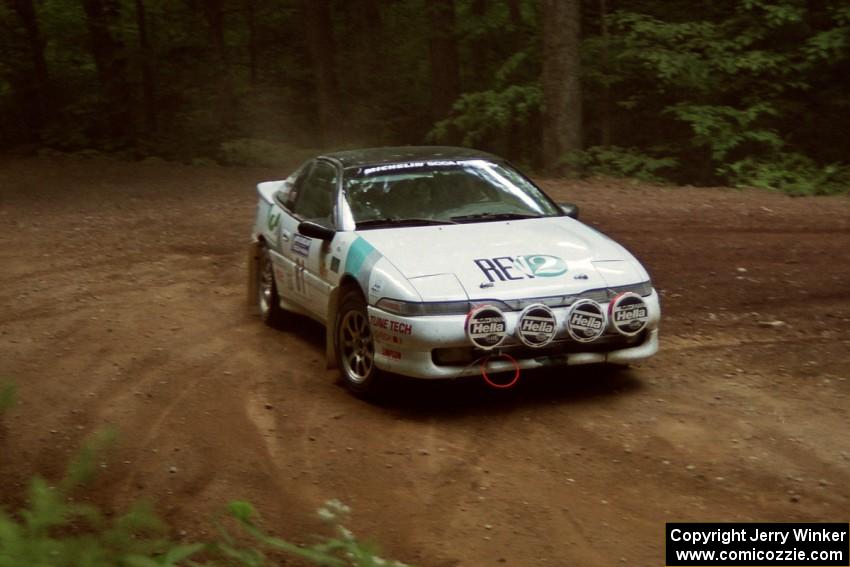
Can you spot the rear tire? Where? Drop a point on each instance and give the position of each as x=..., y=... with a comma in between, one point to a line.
x=268, y=300
x=355, y=346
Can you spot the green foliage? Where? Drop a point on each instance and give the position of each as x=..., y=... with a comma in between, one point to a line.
x=8, y=393
x=83, y=468
x=792, y=173
x=340, y=551
x=729, y=88
x=502, y=119
x=483, y=115
x=733, y=88
x=614, y=161
x=54, y=530
x=722, y=128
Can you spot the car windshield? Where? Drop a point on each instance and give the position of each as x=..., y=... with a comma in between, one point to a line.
x=437, y=192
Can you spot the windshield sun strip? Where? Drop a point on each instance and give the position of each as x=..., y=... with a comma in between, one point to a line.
x=499, y=175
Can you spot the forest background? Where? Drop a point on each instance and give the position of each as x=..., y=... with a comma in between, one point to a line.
x=732, y=92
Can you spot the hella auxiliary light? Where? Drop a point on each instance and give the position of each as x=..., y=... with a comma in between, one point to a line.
x=486, y=327
x=628, y=314
x=586, y=321
x=537, y=326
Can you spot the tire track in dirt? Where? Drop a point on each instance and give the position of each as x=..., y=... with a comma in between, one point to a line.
x=149, y=332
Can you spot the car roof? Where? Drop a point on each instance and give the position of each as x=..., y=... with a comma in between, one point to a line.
x=400, y=154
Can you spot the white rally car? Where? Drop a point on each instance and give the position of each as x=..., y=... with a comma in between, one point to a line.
x=437, y=262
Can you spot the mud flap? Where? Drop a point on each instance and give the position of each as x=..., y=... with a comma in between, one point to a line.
x=253, y=260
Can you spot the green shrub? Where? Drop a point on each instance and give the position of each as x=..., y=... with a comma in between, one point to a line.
x=614, y=161
x=791, y=173
x=722, y=129
x=344, y=550
x=482, y=116
x=54, y=530
x=7, y=397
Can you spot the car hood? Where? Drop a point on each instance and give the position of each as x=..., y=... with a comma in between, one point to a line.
x=505, y=259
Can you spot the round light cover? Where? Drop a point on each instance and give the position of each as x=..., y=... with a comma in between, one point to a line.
x=486, y=327
x=628, y=313
x=537, y=326
x=586, y=321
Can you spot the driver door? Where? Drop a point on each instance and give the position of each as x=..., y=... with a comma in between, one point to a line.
x=313, y=200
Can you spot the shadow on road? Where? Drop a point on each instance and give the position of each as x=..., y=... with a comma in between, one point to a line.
x=571, y=385
x=424, y=398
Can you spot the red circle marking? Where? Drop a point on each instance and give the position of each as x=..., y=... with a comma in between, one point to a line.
x=496, y=384
x=611, y=305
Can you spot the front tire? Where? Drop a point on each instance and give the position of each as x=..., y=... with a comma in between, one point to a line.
x=355, y=346
x=268, y=300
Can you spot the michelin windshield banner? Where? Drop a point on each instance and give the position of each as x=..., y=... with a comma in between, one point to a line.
x=758, y=545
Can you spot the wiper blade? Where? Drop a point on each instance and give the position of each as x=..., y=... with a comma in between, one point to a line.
x=405, y=221
x=494, y=216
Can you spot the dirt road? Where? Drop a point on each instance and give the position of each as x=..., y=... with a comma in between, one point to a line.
x=122, y=303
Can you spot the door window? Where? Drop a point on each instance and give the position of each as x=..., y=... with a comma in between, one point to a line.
x=316, y=195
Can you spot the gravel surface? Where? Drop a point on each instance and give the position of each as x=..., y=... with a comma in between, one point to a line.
x=122, y=303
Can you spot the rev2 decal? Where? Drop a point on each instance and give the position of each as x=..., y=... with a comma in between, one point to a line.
x=530, y=266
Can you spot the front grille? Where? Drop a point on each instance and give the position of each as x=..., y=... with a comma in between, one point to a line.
x=600, y=295
x=462, y=356
x=643, y=289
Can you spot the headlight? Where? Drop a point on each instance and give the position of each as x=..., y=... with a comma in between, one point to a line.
x=418, y=309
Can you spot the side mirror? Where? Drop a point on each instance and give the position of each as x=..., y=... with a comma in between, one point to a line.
x=313, y=230
x=569, y=209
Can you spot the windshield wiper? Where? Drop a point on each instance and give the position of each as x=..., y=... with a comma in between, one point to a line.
x=494, y=216
x=405, y=222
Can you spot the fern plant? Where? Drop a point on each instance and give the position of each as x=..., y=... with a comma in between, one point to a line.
x=56, y=531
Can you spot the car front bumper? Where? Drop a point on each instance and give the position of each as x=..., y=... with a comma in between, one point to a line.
x=414, y=346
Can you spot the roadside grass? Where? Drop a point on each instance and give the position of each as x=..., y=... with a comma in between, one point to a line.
x=54, y=528
x=8, y=392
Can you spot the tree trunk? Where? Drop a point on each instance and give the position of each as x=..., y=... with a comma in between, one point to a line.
x=32, y=85
x=320, y=40
x=214, y=15
x=365, y=81
x=148, y=87
x=561, y=82
x=514, y=13
x=445, y=82
x=374, y=26
x=251, y=16
x=479, y=75
x=224, y=97
x=109, y=54
x=605, y=119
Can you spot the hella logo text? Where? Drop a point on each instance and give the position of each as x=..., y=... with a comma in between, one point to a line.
x=487, y=328
x=582, y=320
x=630, y=314
x=538, y=326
